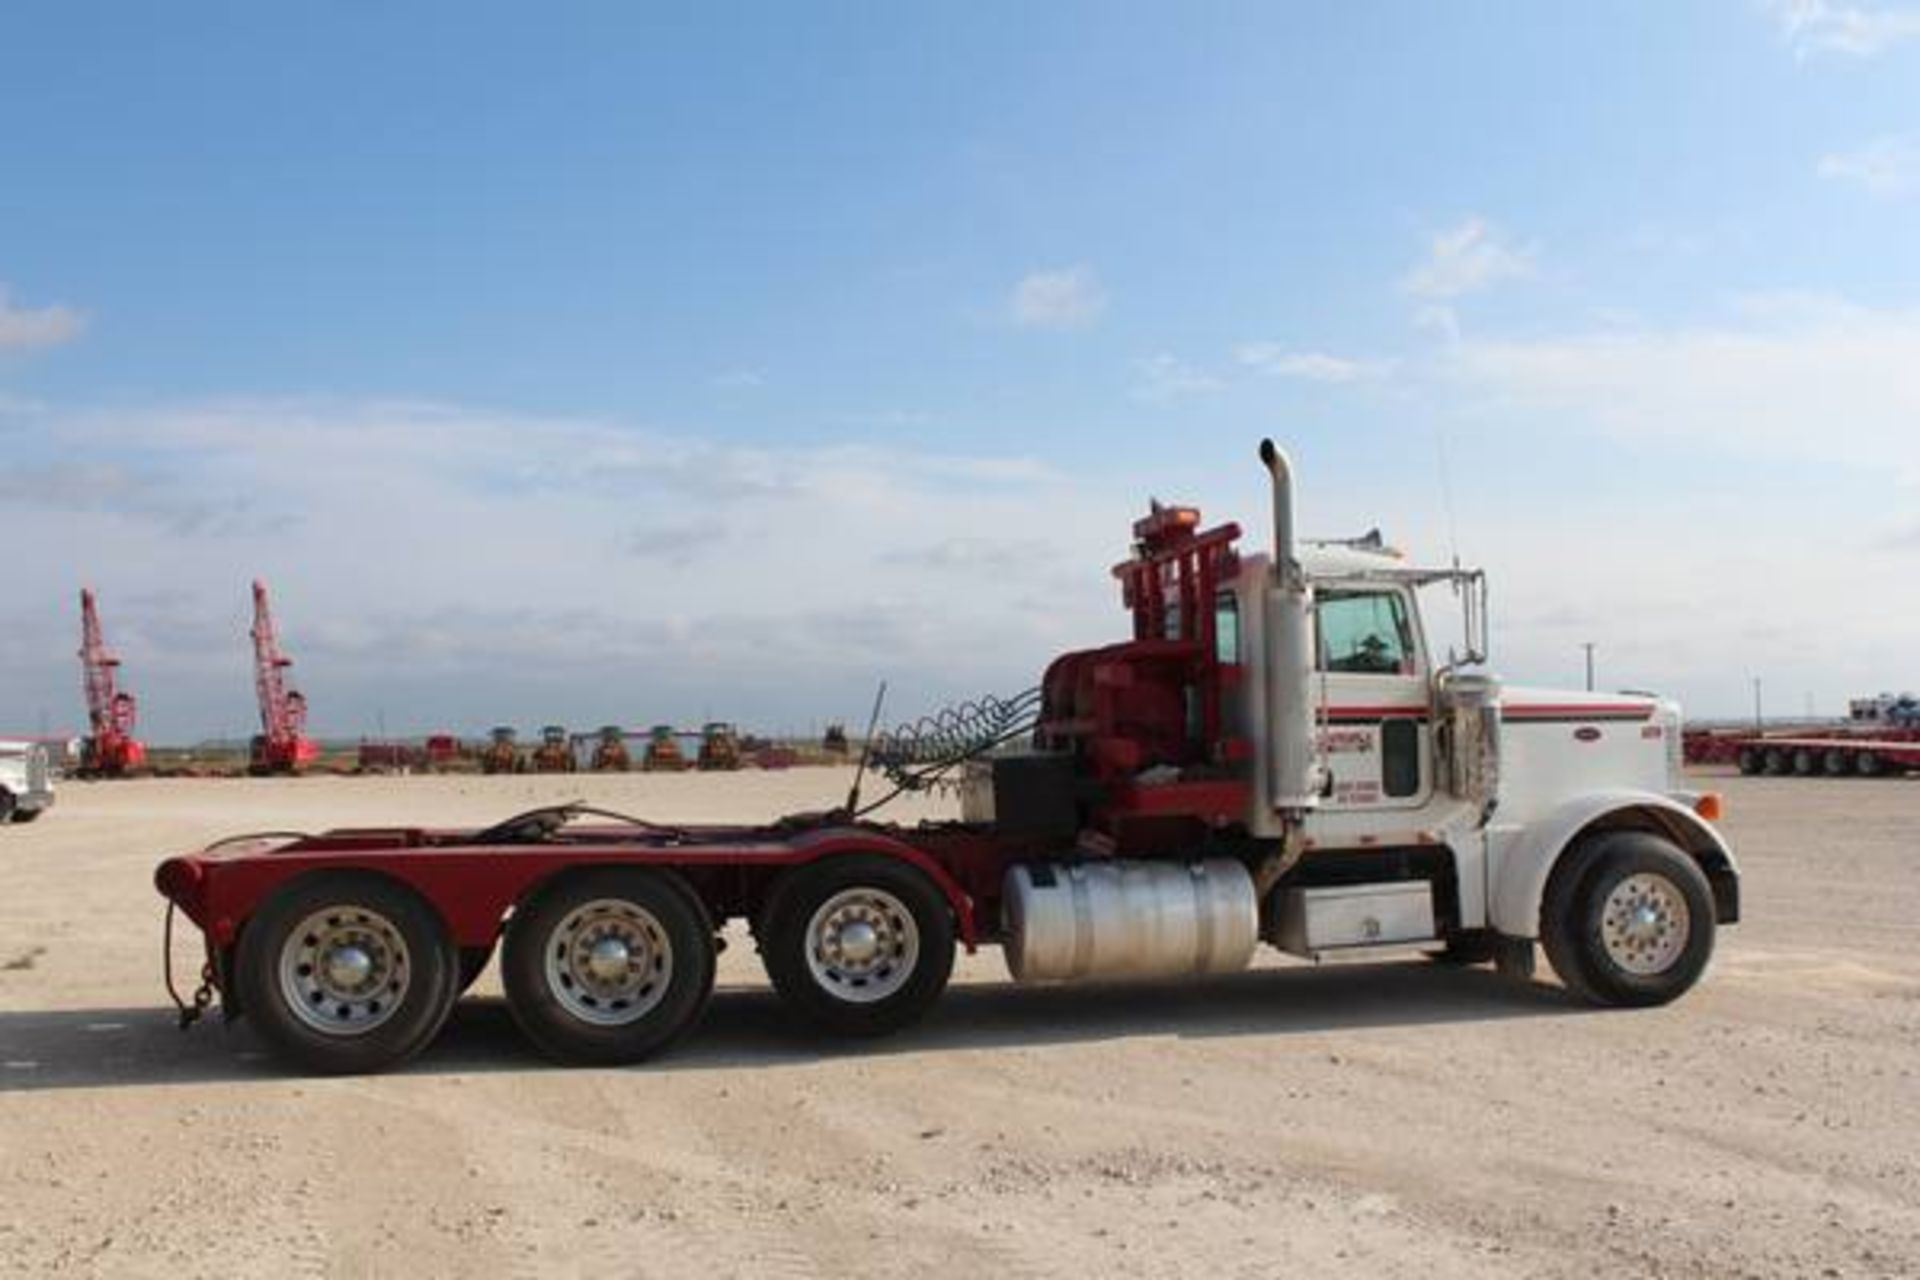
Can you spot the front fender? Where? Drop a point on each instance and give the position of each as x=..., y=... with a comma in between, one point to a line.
x=1521, y=859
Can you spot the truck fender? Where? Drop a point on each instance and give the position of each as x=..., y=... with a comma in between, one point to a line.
x=1522, y=859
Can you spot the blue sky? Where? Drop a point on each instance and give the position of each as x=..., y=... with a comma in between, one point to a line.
x=619, y=362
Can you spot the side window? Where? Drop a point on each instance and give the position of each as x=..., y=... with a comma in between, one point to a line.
x=1365, y=633
x=1226, y=629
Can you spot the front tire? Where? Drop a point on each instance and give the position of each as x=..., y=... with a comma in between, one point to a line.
x=346, y=972
x=858, y=946
x=1628, y=920
x=609, y=967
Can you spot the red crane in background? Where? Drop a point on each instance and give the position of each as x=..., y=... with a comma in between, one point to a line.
x=282, y=745
x=110, y=750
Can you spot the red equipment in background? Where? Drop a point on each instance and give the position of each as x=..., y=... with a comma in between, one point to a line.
x=282, y=745
x=110, y=750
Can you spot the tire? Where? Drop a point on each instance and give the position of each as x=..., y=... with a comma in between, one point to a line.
x=1837, y=763
x=7, y=805
x=1805, y=763
x=660, y=942
x=1869, y=764
x=381, y=997
x=859, y=945
x=26, y=815
x=1776, y=762
x=1595, y=938
x=1474, y=946
x=1750, y=761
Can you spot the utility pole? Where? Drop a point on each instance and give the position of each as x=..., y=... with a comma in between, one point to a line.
x=1759, y=721
x=1588, y=646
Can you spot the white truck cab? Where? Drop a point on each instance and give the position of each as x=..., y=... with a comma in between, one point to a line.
x=1547, y=815
x=26, y=780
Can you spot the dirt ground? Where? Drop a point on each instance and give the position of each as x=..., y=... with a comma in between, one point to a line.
x=1382, y=1119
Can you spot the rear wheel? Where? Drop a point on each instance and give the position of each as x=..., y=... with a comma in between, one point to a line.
x=1804, y=762
x=610, y=966
x=1777, y=762
x=346, y=972
x=1837, y=763
x=1750, y=761
x=1628, y=920
x=1869, y=764
x=858, y=946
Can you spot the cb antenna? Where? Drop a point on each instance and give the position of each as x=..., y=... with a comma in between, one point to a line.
x=1446, y=493
x=866, y=750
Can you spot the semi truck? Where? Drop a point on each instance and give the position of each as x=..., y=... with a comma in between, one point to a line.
x=1278, y=755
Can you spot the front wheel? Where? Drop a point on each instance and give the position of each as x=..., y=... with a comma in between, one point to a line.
x=346, y=972
x=1628, y=920
x=858, y=946
x=610, y=966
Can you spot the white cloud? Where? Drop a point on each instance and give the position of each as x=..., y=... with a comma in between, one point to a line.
x=1796, y=377
x=1820, y=26
x=1310, y=366
x=734, y=379
x=1063, y=298
x=1165, y=377
x=1623, y=482
x=458, y=567
x=23, y=328
x=1468, y=258
x=1885, y=166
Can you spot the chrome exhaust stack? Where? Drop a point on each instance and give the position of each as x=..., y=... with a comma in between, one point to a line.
x=1295, y=775
x=1280, y=468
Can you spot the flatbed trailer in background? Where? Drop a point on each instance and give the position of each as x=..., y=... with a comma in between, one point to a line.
x=1882, y=753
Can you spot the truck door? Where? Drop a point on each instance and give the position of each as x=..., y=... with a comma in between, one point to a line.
x=1376, y=732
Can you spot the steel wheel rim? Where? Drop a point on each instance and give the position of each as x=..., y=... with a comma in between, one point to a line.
x=345, y=970
x=609, y=962
x=1645, y=923
x=862, y=945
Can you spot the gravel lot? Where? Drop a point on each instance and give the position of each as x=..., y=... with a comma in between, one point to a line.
x=1384, y=1119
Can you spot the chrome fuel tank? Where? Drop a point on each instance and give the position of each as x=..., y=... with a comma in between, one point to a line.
x=1129, y=919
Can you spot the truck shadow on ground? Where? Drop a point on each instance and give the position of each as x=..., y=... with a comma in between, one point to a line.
x=747, y=1026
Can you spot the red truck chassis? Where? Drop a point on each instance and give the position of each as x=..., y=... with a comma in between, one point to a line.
x=320, y=938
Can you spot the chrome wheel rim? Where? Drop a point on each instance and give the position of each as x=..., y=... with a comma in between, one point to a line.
x=1645, y=923
x=609, y=962
x=862, y=945
x=344, y=970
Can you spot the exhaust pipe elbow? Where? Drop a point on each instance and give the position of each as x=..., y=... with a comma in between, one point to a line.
x=1280, y=468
